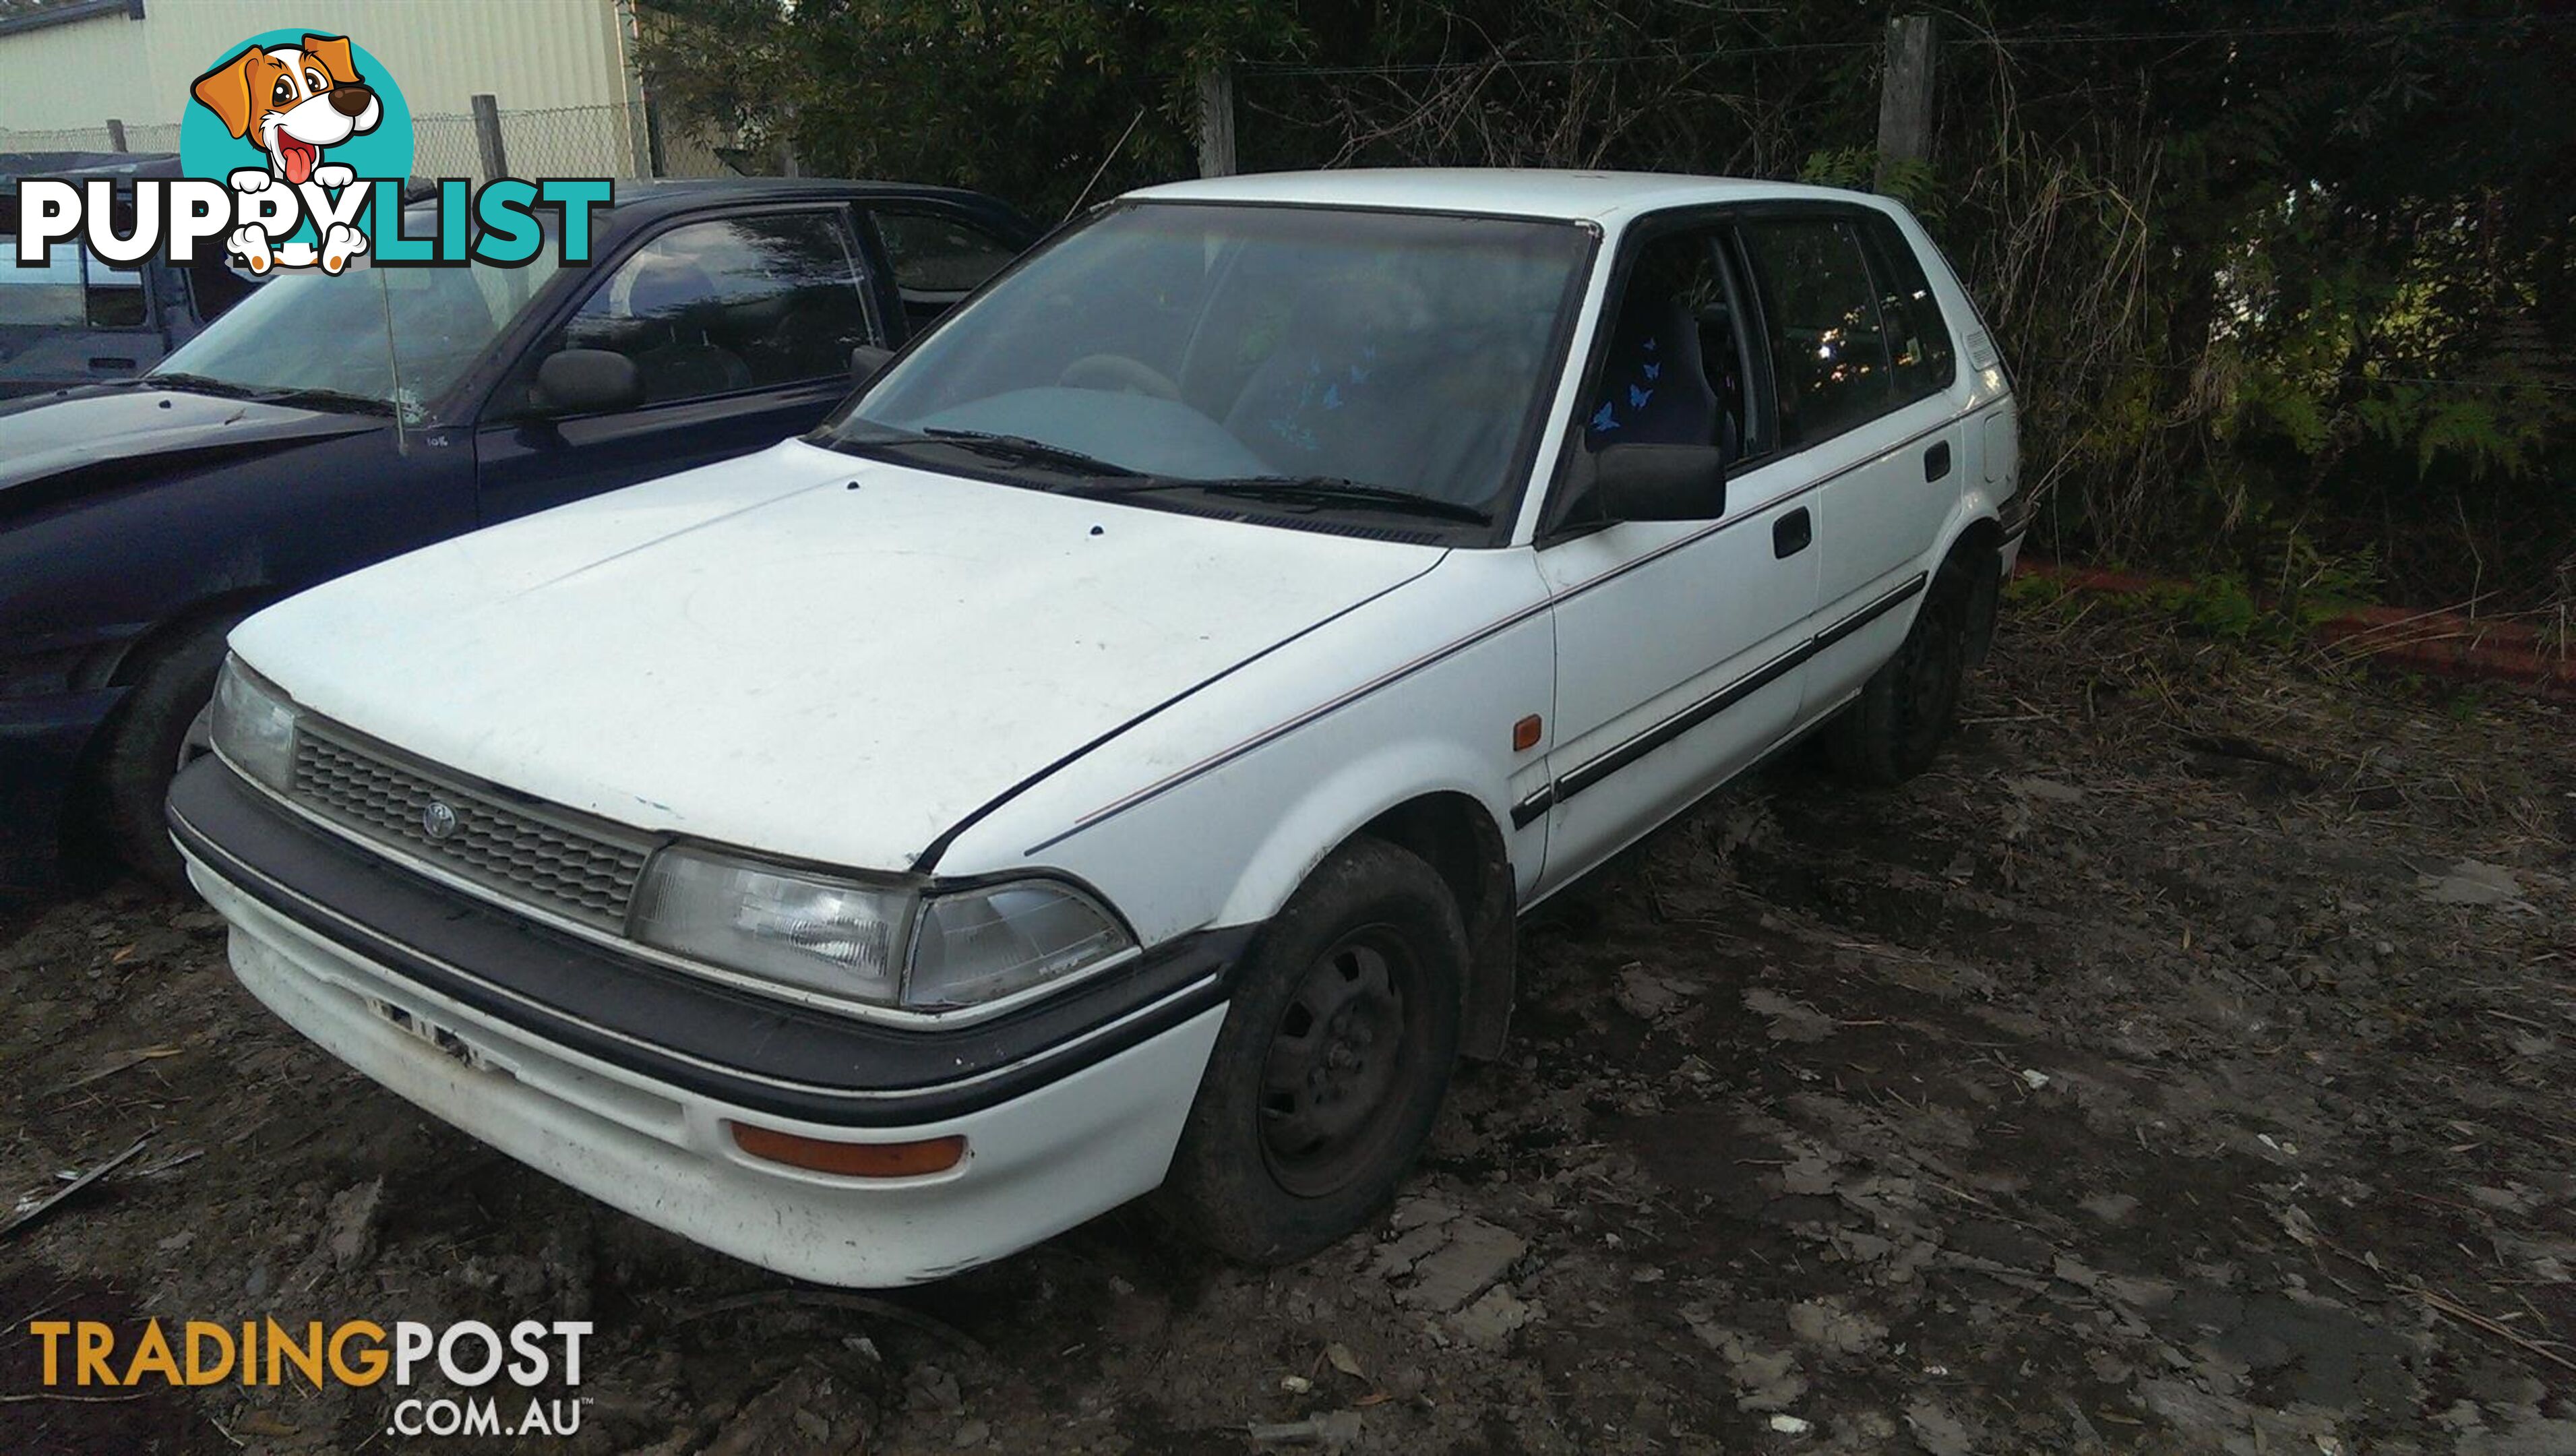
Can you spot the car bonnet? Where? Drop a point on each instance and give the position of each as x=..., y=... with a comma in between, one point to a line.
x=799, y=652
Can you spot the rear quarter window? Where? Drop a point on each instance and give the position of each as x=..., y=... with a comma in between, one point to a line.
x=1918, y=338
x=935, y=253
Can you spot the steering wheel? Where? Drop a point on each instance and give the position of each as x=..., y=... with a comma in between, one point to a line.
x=1118, y=374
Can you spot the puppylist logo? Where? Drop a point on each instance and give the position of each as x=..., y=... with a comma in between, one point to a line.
x=295, y=148
x=469, y=1355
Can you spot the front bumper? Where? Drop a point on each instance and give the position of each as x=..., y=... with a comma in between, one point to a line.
x=41, y=743
x=1042, y=1154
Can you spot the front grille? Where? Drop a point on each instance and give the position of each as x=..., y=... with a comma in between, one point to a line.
x=520, y=853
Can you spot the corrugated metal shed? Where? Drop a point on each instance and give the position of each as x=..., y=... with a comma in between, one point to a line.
x=534, y=55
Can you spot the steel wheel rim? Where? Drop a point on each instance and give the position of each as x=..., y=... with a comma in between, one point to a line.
x=1339, y=1062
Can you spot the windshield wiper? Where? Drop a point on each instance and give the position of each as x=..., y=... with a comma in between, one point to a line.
x=1022, y=448
x=227, y=389
x=1322, y=490
x=194, y=384
x=329, y=399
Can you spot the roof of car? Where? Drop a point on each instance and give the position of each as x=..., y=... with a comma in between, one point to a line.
x=659, y=192
x=1503, y=192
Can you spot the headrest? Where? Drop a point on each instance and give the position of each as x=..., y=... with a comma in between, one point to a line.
x=666, y=287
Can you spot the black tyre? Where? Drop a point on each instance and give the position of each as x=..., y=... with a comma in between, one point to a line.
x=1331, y=1064
x=1907, y=708
x=159, y=726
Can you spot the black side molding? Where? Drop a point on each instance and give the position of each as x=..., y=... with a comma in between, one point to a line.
x=1588, y=774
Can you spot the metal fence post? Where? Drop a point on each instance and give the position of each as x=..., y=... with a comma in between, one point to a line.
x=655, y=161
x=487, y=136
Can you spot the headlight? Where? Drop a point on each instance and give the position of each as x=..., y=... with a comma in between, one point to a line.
x=885, y=945
x=789, y=926
x=254, y=725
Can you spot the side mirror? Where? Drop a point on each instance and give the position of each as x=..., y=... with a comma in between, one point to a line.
x=1657, y=483
x=588, y=381
x=866, y=360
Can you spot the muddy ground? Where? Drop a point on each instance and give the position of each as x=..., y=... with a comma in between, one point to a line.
x=2183, y=1065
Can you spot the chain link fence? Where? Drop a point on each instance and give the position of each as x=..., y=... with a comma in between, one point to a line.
x=562, y=141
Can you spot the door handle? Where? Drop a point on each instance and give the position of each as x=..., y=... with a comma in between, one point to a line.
x=1791, y=533
x=1936, y=461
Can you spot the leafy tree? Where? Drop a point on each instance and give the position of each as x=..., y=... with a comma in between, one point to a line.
x=2286, y=288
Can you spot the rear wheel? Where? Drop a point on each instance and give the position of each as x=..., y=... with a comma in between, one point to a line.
x=1906, y=710
x=1331, y=1064
x=165, y=724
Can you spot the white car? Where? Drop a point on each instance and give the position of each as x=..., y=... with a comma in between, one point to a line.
x=1114, y=751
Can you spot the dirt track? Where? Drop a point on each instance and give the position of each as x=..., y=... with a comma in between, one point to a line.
x=2184, y=1065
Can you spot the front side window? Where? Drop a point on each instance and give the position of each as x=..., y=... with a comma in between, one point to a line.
x=1673, y=369
x=1257, y=347
x=734, y=303
x=937, y=253
x=72, y=291
x=1829, y=359
x=49, y=296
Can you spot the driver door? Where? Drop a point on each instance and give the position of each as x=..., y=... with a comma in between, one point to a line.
x=1678, y=643
x=740, y=327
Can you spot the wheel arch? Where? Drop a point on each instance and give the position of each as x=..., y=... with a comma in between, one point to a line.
x=1977, y=549
x=82, y=839
x=1432, y=809
x=1454, y=834
x=143, y=651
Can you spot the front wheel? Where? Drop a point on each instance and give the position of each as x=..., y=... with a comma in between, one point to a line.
x=1331, y=1064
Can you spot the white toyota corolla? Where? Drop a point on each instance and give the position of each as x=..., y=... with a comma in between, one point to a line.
x=1113, y=753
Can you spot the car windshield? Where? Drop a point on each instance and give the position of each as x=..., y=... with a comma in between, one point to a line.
x=391, y=336
x=1389, y=355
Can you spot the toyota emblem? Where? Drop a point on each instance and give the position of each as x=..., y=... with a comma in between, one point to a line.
x=437, y=820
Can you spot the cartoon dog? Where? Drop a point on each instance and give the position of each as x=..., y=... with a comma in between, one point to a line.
x=291, y=102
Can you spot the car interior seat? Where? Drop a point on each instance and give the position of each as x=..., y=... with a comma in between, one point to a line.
x=1330, y=397
x=675, y=301
x=1654, y=387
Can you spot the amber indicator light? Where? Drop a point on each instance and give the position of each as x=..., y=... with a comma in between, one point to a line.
x=850, y=1160
x=1525, y=734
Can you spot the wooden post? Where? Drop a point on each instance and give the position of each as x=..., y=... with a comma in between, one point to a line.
x=1216, y=121
x=1905, y=95
x=487, y=135
x=116, y=135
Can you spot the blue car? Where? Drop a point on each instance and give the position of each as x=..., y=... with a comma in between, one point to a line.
x=325, y=423
x=81, y=320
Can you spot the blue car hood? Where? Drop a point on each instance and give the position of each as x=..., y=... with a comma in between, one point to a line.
x=102, y=435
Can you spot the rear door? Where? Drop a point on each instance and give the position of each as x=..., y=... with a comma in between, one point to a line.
x=740, y=326
x=1863, y=367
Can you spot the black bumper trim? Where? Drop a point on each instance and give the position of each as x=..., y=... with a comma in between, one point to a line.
x=756, y=1053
